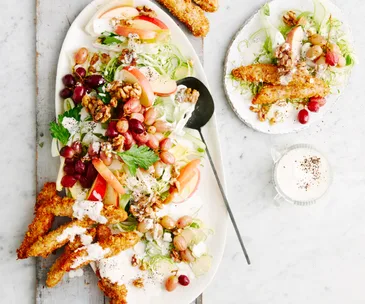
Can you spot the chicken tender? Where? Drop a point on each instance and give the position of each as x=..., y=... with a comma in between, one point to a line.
x=116, y=293
x=267, y=73
x=64, y=207
x=208, y=5
x=189, y=14
x=109, y=247
x=273, y=93
x=59, y=237
x=42, y=222
x=56, y=273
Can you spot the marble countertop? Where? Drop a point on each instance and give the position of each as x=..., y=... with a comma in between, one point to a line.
x=299, y=254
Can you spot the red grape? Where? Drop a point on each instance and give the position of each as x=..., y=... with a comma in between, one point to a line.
x=70, y=161
x=79, y=166
x=88, y=89
x=111, y=131
x=128, y=138
x=76, y=145
x=69, y=169
x=141, y=138
x=68, y=80
x=68, y=181
x=91, y=172
x=77, y=176
x=79, y=92
x=85, y=183
x=184, y=280
x=81, y=72
x=313, y=106
x=67, y=152
x=94, y=81
x=65, y=93
x=106, y=160
x=133, y=105
x=321, y=100
x=303, y=116
x=332, y=58
x=136, y=126
x=93, y=150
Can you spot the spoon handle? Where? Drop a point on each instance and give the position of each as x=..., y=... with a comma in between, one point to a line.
x=226, y=201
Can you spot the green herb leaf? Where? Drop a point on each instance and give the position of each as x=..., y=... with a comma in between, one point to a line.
x=73, y=113
x=266, y=9
x=195, y=225
x=138, y=157
x=101, y=136
x=59, y=132
x=108, y=34
x=111, y=40
x=103, y=95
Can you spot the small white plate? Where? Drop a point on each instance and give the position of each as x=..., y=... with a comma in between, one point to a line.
x=240, y=54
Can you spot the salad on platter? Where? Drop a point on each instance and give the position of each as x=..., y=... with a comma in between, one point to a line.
x=292, y=64
x=127, y=162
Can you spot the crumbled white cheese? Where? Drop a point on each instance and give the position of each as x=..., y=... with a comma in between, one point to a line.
x=86, y=239
x=76, y=273
x=71, y=124
x=70, y=233
x=94, y=253
x=95, y=146
x=167, y=237
x=199, y=249
x=90, y=209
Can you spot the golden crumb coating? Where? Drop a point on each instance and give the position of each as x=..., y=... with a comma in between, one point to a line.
x=114, y=244
x=189, y=14
x=272, y=93
x=41, y=223
x=208, y=5
x=50, y=242
x=116, y=293
x=56, y=273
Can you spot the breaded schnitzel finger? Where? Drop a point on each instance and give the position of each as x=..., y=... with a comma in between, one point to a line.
x=273, y=93
x=116, y=293
x=208, y=5
x=59, y=237
x=104, y=248
x=41, y=223
x=189, y=14
x=56, y=273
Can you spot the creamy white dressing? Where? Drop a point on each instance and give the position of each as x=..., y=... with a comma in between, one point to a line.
x=70, y=233
x=94, y=253
x=303, y=174
x=86, y=239
x=90, y=209
x=71, y=124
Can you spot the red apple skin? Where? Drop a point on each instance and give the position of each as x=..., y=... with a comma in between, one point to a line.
x=155, y=21
x=111, y=196
x=143, y=34
x=162, y=92
x=98, y=189
x=148, y=97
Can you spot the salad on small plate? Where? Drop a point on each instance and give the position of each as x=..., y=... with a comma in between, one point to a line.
x=288, y=64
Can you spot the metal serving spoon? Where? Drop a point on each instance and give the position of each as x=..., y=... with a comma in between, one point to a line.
x=204, y=110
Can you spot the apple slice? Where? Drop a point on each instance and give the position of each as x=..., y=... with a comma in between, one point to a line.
x=97, y=190
x=155, y=21
x=108, y=175
x=111, y=196
x=144, y=25
x=189, y=188
x=132, y=75
x=164, y=86
x=294, y=39
x=120, y=12
x=143, y=34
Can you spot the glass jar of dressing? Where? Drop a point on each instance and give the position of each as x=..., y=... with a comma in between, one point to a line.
x=301, y=174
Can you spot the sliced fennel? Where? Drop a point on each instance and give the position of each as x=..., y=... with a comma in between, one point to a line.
x=320, y=13
x=202, y=265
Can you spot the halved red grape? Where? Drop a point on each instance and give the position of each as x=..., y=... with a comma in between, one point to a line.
x=67, y=152
x=70, y=161
x=81, y=72
x=91, y=172
x=79, y=92
x=69, y=169
x=79, y=166
x=65, y=93
x=68, y=181
x=94, y=81
x=76, y=145
x=77, y=176
x=68, y=80
x=111, y=131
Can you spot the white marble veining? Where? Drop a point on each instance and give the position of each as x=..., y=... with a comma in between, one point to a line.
x=299, y=254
